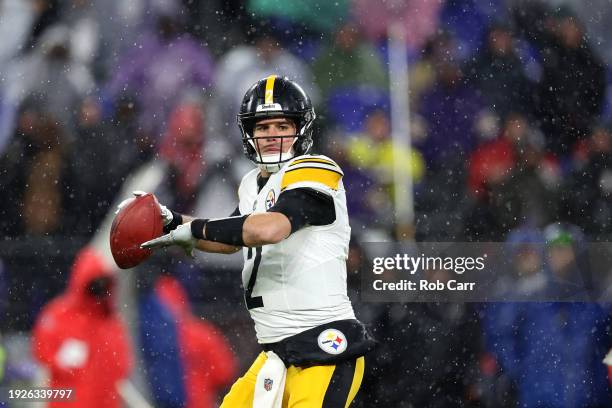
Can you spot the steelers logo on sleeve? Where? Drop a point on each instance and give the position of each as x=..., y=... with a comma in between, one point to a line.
x=270, y=199
x=332, y=341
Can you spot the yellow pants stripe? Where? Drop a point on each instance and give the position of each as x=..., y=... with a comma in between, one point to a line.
x=304, y=387
x=357, y=378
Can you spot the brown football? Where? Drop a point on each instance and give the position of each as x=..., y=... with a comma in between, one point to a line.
x=137, y=222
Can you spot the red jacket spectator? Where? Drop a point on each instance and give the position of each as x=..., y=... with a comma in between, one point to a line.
x=490, y=162
x=81, y=340
x=182, y=146
x=208, y=362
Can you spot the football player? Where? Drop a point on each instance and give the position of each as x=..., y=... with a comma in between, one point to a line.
x=292, y=224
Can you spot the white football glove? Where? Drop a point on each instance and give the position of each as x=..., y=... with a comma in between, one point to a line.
x=181, y=236
x=165, y=212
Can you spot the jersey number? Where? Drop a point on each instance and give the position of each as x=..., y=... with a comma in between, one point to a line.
x=257, y=301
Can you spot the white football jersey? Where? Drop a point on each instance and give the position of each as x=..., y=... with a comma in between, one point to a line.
x=300, y=282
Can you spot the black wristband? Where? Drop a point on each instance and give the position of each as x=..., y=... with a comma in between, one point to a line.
x=226, y=230
x=177, y=219
x=197, y=227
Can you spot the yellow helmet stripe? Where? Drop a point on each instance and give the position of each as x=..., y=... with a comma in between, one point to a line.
x=270, y=89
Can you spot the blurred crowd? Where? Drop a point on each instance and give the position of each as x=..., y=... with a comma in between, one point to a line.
x=511, y=130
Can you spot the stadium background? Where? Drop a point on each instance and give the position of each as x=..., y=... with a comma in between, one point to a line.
x=510, y=127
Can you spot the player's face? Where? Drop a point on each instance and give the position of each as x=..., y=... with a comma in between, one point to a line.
x=268, y=135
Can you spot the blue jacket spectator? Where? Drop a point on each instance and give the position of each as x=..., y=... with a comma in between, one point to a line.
x=551, y=350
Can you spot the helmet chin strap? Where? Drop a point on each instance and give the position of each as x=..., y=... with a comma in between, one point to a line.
x=270, y=162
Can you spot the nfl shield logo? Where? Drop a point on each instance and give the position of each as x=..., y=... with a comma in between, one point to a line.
x=268, y=384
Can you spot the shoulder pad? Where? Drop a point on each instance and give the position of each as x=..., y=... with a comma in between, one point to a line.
x=312, y=169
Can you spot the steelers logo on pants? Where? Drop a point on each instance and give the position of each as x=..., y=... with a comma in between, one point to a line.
x=332, y=341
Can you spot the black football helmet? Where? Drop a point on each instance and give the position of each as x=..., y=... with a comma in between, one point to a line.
x=275, y=97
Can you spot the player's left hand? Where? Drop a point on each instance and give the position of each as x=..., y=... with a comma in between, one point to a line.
x=181, y=236
x=166, y=214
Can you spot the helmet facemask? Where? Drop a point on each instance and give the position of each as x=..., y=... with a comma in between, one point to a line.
x=272, y=162
x=301, y=143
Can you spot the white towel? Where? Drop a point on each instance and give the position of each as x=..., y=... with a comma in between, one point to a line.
x=270, y=384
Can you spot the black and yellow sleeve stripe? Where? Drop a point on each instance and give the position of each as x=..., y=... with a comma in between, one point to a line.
x=312, y=170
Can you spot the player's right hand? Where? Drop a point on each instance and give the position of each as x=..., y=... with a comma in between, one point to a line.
x=165, y=212
x=181, y=236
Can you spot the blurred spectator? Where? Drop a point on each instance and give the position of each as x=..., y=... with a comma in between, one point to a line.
x=552, y=351
x=441, y=204
x=129, y=141
x=422, y=72
x=349, y=61
x=17, y=18
x=571, y=91
x=432, y=362
x=512, y=180
x=182, y=148
x=42, y=191
x=493, y=161
x=244, y=65
x=566, y=256
x=207, y=361
x=466, y=21
x=498, y=73
x=323, y=16
x=589, y=188
x=88, y=41
x=373, y=152
x=526, y=278
x=52, y=75
x=347, y=109
x=187, y=361
x=95, y=155
x=160, y=351
x=80, y=338
x=597, y=17
x=34, y=171
x=450, y=109
x=420, y=19
x=159, y=71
